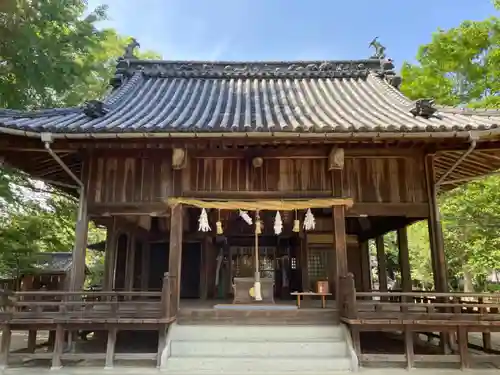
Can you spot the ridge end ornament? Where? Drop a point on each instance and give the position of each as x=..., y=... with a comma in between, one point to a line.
x=379, y=49
x=130, y=48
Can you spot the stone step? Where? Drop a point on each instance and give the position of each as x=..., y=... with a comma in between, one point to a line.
x=318, y=349
x=248, y=365
x=254, y=333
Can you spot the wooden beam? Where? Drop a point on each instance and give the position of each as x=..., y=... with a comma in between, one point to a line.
x=381, y=263
x=300, y=152
x=128, y=208
x=411, y=210
x=175, y=256
x=256, y=194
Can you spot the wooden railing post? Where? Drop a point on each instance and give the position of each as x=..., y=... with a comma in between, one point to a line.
x=348, y=296
x=165, y=296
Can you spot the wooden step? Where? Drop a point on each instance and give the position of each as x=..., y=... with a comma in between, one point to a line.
x=258, y=317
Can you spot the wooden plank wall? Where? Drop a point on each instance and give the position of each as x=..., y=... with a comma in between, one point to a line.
x=150, y=178
x=395, y=180
x=118, y=179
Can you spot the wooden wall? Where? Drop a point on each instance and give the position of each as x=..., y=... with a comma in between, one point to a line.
x=115, y=178
x=128, y=179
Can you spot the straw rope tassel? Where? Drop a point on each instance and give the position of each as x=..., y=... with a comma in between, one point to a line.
x=296, y=224
x=218, y=224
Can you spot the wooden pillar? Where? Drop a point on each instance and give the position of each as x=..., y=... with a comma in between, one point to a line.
x=381, y=264
x=339, y=238
x=110, y=348
x=130, y=263
x=175, y=256
x=409, y=348
x=365, y=266
x=32, y=340
x=205, y=266
x=77, y=278
x=435, y=230
x=5, y=346
x=463, y=347
x=336, y=167
x=404, y=260
x=162, y=344
x=110, y=256
x=58, y=348
x=304, y=266
x=145, y=265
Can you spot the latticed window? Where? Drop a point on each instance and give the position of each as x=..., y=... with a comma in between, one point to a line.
x=316, y=262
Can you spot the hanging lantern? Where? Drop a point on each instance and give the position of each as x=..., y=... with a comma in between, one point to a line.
x=246, y=217
x=296, y=224
x=309, y=221
x=218, y=225
x=203, y=225
x=278, y=224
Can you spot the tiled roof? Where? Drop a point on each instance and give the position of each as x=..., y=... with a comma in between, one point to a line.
x=162, y=96
x=54, y=262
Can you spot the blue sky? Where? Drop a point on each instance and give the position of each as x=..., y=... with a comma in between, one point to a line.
x=286, y=29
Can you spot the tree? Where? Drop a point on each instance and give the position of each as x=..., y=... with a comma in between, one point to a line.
x=43, y=47
x=471, y=216
x=51, y=55
x=460, y=66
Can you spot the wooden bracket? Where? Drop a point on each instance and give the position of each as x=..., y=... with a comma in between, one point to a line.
x=336, y=158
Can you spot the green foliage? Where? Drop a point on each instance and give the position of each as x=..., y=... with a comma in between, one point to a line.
x=471, y=217
x=52, y=55
x=459, y=66
x=43, y=47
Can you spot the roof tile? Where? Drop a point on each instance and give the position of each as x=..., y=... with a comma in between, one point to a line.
x=155, y=96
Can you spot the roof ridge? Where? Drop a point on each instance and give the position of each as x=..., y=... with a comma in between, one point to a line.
x=14, y=113
x=468, y=111
x=202, y=69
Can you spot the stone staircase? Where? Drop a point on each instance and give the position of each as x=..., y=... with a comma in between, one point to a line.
x=270, y=349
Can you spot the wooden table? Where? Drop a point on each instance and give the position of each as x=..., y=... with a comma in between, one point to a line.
x=322, y=295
